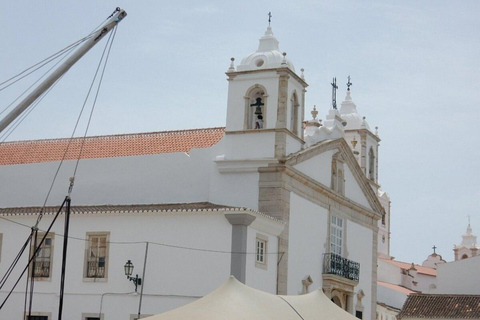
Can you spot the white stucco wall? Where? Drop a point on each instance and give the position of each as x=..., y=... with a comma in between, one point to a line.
x=164, y=178
x=360, y=249
x=308, y=233
x=352, y=189
x=174, y=276
x=237, y=90
x=391, y=297
x=319, y=167
x=265, y=278
x=459, y=277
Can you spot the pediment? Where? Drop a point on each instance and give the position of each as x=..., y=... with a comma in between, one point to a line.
x=315, y=162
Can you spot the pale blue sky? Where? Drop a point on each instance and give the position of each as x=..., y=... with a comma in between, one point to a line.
x=414, y=67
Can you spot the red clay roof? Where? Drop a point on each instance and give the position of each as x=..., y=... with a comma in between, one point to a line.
x=121, y=145
x=441, y=306
x=396, y=287
x=420, y=269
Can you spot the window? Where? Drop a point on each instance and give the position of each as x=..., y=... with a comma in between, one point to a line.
x=336, y=235
x=295, y=114
x=338, y=174
x=261, y=246
x=255, y=108
x=39, y=316
x=92, y=316
x=359, y=314
x=371, y=165
x=261, y=251
x=43, y=258
x=96, y=256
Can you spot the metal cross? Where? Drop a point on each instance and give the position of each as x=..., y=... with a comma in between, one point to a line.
x=334, y=93
x=349, y=84
x=269, y=18
x=434, y=247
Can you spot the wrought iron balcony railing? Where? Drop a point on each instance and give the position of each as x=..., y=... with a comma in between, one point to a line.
x=95, y=269
x=42, y=269
x=335, y=264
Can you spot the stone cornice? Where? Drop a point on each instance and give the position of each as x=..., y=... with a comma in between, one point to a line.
x=285, y=130
x=352, y=163
x=278, y=70
x=366, y=132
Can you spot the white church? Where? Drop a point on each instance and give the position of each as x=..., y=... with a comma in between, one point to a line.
x=285, y=204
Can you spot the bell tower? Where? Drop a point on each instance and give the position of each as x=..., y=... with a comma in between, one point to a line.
x=265, y=105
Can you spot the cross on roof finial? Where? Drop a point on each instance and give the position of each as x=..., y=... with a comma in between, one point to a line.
x=349, y=84
x=468, y=219
x=269, y=18
x=334, y=93
x=434, y=247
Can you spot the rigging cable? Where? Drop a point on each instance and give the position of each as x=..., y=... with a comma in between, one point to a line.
x=19, y=120
x=109, y=45
x=32, y=276
x=34, y=253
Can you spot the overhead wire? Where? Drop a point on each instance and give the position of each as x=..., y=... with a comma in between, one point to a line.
x=151, y=242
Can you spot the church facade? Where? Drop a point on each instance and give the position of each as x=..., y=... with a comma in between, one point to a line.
x=284, y=204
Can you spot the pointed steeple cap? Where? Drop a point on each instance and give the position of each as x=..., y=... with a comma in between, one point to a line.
x=267, y=56
x=348, y=111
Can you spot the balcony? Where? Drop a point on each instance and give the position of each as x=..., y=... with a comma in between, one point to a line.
x=42, y=269
x=336, y=265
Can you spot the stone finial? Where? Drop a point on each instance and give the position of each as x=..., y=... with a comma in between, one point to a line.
x=314, y=112
x=364, y=121
x=376, y=131
x=232, y=66
x=284, y=60
x=302, y=75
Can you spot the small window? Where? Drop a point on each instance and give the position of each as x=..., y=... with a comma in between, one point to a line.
x=97, y=256
x=261, y=247
x=261, y=251
x=359, y=314
x=371, y=165
x=92, y=316
x=39, y=316
x=43, y=258
x=336, y=235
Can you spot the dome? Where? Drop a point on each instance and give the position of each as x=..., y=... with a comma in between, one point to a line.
x=267, y=55
x=348, y=112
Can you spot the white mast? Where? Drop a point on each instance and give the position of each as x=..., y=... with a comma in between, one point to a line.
x=96, y=36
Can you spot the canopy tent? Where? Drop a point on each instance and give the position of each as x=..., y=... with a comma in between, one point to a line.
x=235, y=301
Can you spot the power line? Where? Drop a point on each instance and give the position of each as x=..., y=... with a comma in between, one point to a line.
x=151, y=242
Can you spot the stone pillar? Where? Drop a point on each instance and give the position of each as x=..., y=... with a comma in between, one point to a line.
x=274, y=200
x=349, y=303
x=281, y=136
x=239, y=222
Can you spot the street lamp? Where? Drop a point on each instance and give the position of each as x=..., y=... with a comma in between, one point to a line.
x=128, y=272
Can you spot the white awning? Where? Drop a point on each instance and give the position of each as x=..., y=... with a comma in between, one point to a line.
x=235, y=301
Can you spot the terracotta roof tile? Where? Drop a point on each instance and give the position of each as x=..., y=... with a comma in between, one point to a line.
x=396, y=287
x=441, y=306
x=121, y=145
x=420, y=269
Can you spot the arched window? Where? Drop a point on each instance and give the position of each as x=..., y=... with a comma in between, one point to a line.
x=294, y=119
x=338, y=173
x=371, y=165
x=255, y=108
x=465, y=256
